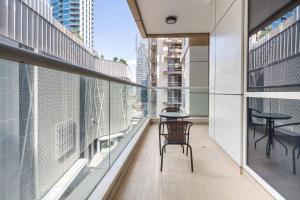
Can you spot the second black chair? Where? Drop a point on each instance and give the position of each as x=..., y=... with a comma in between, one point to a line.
x=178, y=134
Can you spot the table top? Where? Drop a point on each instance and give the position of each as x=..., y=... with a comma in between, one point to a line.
x=271, y=115
x=174, y=115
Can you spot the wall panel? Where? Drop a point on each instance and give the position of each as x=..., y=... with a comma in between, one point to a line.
x=228, y=124
x=228, y=52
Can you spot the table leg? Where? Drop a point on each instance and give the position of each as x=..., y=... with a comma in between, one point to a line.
x=272, y=135
x=267, y=133
x=270, y=125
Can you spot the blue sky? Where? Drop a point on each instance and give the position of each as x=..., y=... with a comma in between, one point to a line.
x=115, y=30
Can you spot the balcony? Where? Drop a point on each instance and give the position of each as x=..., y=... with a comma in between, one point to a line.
x=81, y=127
x=253, y=86
x=173, y=41
x=69, y=132
x=172, y=56
x=174, y=69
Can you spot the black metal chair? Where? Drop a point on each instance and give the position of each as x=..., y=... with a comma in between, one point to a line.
x=178, y=134
x=169, y=109
x=253, y=123
x=291, y=138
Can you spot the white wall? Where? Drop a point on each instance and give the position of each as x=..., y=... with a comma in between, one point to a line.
x=199, y=79
x=212, y=76
x=226, y=88
x=196, y=70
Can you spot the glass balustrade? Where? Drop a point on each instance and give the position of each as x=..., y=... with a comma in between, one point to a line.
x=60, y=131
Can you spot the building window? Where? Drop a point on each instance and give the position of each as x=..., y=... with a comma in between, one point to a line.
x=64, y=138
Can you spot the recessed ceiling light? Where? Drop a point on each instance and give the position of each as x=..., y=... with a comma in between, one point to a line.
x=171, y=20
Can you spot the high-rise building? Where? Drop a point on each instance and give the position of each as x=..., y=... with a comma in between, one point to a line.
x=166, y=71
x=142, y=61
x=77, y=16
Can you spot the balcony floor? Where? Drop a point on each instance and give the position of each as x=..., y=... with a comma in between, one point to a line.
x=215, y=175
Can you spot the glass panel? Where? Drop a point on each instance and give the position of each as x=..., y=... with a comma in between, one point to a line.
x=274, y=55
x=127, y=111
x=281, y=169
x=190, y=100
x=58, y=128
x=10, y=138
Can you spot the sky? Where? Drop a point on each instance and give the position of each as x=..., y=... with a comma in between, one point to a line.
x=115, y=31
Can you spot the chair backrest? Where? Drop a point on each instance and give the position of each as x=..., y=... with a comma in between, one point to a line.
x=171, y=109
x=250, y=117
x=177, y=131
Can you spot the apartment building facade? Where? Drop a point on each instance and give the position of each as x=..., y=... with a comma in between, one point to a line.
x=166, y=72
x=175, y=64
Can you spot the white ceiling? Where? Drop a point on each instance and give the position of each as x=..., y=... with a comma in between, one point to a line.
x=193, y=16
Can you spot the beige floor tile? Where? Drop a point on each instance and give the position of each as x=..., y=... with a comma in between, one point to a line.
x=215, y=177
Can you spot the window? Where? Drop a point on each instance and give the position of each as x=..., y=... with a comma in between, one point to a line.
x=274, y=55
x=64, y=140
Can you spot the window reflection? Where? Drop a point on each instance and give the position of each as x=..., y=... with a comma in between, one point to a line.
x=281, y=169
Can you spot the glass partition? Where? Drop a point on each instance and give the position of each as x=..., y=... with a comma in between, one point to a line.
x=190, y=100
x=273, y=137
x=127, y=111
x=274, y=54
x=60, y=132
x=274, y=143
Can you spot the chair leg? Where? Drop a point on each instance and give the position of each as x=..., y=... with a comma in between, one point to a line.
x=192, y=164
x=254, y=130
x=159, y=139
x=259, y=140
x=182, y=149
x=298, y=153
x=187, y=149
x=280, y=142
x=162, y=158
x=294, y=160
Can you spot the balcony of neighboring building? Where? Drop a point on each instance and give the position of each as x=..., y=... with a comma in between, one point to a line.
x=173, y=41
x=173, y=69
x=176, y=50
x=174, y=56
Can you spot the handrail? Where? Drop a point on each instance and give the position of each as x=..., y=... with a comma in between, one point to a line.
x=179, y=88
x=29, y=57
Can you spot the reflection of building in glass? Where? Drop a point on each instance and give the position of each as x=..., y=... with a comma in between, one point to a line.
x=276, y=65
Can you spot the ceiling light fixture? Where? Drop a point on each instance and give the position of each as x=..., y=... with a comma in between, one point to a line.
x=171, y=20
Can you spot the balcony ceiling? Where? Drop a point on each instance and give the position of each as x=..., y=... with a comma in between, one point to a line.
x=193, y=17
